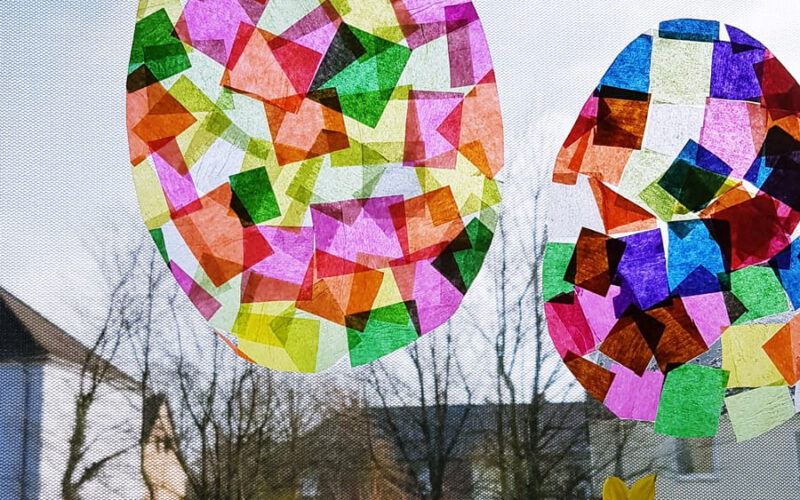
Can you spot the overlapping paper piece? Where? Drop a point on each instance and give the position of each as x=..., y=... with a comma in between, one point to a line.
x=615, y=488
x=318, y=175
x=690, y=148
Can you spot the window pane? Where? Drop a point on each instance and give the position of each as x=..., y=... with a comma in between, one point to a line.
x=694, y=456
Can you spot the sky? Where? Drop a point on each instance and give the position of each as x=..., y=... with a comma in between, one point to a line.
x=64, y=170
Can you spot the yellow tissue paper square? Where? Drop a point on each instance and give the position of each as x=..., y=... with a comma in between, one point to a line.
x=760, y=410
x=743, y=357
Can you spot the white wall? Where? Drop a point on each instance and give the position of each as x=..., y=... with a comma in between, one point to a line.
x=113, y=426
x=764, y=468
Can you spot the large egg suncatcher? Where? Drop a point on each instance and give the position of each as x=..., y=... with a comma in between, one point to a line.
x=319, y=176
x=672, y=278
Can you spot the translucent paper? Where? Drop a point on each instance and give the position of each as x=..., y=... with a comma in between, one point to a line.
x=319, y=176
x=673, y=286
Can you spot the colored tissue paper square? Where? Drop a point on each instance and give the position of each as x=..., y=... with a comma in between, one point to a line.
x=601, y=314
x=752, y=231
x=630, y=70
x=630, y=344
x=783, y=350
x=368, y=340
x=733, y=76
x=594, y=262
x=681, y=71
x=691, y=401
x=642, y=270
x=621, y=122
x=634, y=397
x=697, y=30
x=695, y=259
x=593, y=377
x=661, y=203
x=556, y=260
x=671, y=126
x=787, y=266
x=709, y=313
x=776, y=171
x=691, y=185
x=619, y=214
x=758, y=411
x=760, y=292
x=673, y=335
x=742, y=355
x=569, y=330
x=729, y=134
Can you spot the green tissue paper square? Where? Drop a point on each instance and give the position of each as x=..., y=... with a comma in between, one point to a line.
x=254, y=191
x=691, y=401
x=556, y=260
x=760, y=291
x=375, y=334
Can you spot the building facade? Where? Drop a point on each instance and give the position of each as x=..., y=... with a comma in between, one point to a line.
x=718, y=468
x=40, y=375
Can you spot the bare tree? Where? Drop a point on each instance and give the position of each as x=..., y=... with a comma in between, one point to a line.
x=350, y=460
x=243, y=429
x=240, y=428
x=541, y=445
x=97, y=371
x=141, y=309
x=152, y=300
x=420, y=415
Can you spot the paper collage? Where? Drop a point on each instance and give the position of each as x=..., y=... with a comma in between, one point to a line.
x=615, y=488
x=675, y=285
x=318, y=175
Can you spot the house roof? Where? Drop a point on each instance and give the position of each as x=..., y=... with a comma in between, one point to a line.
x=561, y=425
x=26, y=335
x=15, y=339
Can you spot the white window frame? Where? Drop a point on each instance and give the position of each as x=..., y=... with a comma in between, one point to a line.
x=696, y=476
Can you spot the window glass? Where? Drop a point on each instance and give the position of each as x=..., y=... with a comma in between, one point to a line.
x=694, y=456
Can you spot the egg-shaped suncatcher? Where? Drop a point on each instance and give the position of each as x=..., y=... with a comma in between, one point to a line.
x=671, y=276
x=318, y=175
